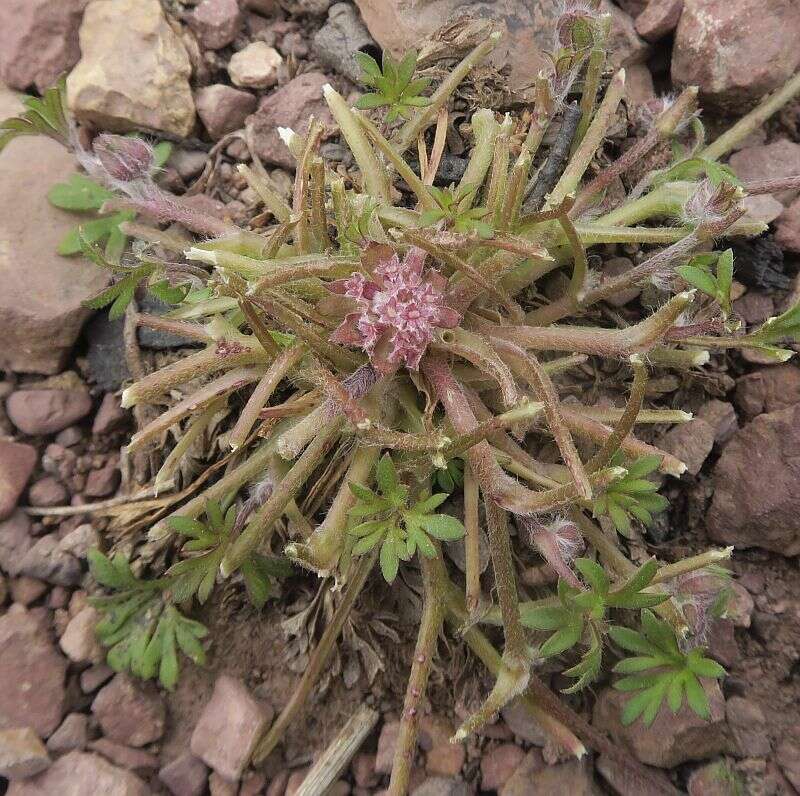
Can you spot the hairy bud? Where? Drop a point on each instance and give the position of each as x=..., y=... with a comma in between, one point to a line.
x=711, y=203
x=124, y=159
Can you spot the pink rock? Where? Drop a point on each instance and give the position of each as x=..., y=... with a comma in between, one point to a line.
x=772, y=161
x=41, y=310
x=658, y=19
x=754, y=307
x=748, y=727
x=253, y=784
x=38, y=41
x=625, y=783
x=32, y=673
x=639, y=87
x=529, y=770
x=216, y=23
x=223, y=109
x=756, y=502
x=721, y=416
x=71, y=734
x=79, y=774
x=47, y=491
x=15, y=542
x=102, y=482
x=47, y=411
x=690, y=442
x=289, y=106
x=387, y=741
x=22, y=754
x=229, y=727
x=110, y=416
x=713, y=779
x=25, y=590
x=16, y=465
x=498, y=764
x=768, y=390
x=787, y=228
x=185, y=776
x=93, y=677
x=219, y=786
x=130, y=711
x=671, y=739
x=79, y=641
x=125, y=756
x=523, y=724
x=736, y=51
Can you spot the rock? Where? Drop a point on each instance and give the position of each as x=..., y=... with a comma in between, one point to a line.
x=441, y=786
x=70, y=436
x=574, y=777
x=219, y=786
x=228, y=727
x=639, y=86
x=754, y=307
x=48, y=562
x=768, y=390
x=255, y=66
x=79, y=642
x=342, y=35
x=772, y=161
x=671, y=739
x=399, y=25
x=445, y=759
x=740, y=605
x=714, y=779
x=787, y=755
x=125, y=756
x=110, y=416
x=106, y=352
x=216, y=23
x=71, y=734
x=748, y=727
x=253, y=785
x=102, y=482
x=47, y=491
x=149, y=88
x=760, y=264
x=387, y=741
x=27, y=590
x=223, y=109
x=756, y=501
x=659, y=19
x=185, y=776
x=16, y=465
x=498, y=764
x=690, y=442
x=625, y=783
x=787, y=228
x=519, y=783
x=722, y=646
x=363, y=767
x=39, y=41
x=130, y=711
x=47, y=411
x=290, y=106
x=41, y=310
x=156, y=338
x=79, y=541
x=189, y=163
x=721, y=416
x=93, y=677
x=15, y=541
x=79, y=774
x=303, y=7
x=522, y=723
x=277, y=787
x=736, y=52
x=616, y=266
x=32, y=673
x=762, y=208
x=22, y=754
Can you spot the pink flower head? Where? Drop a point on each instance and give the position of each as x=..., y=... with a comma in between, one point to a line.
x=401, y=305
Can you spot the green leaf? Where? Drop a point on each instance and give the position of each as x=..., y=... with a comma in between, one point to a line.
x=389, y=560
x=256, y=582
x=78, y=193
x=386, y=477
x=547, y=617
x=161, y=152
x=702, y=280
x=594, y=575
x=368, y=101
x=632, y=641
x=643, y=466
x=405, y=70
x=429, y=504
x=186, y=526
x=696, y=697
x=369, y=66
x=562, y=640
x=443, y=527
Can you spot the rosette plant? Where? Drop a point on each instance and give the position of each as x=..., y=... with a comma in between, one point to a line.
x=368, y=335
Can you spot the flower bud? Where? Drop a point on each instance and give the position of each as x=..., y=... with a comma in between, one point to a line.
x=124, y=159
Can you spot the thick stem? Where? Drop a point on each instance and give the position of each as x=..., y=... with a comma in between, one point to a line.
x=285, y=361
x=686, y=565
x=472, y=542
x=429, y=627
x=322, y=549
x=427, y=116
x=286, y=490
x=318, y=660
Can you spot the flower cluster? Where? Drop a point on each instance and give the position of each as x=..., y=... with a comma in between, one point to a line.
x=396, y=311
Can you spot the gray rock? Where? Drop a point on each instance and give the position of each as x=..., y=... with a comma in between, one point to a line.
x=342, y=35
x=47, y=561
x=106, y=352
x=223, y=109
x=22, y=754
x=130, y=711
x=15, y=541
